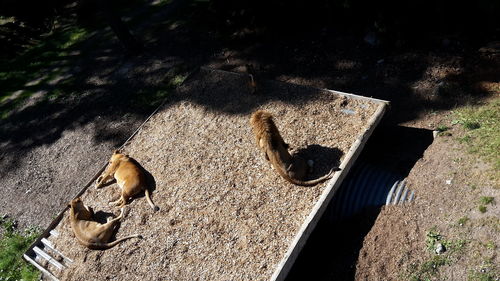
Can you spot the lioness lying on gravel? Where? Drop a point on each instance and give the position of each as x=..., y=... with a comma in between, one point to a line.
x=129, y=177
x=293, y=169
x=92, y=234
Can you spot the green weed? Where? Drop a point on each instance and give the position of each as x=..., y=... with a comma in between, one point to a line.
x=486, y=272
x=462, y=221
x=428, y=269
x=490, y=245
x=470, y=125
x=482, y=209
x=454, y=246
x=485, y=200
x=481, y=276
x=442, y=128
x=34, y=70
x=150, y=98
x=432, y=238
x=13, y=244
x=465, y=139
x=483, y=132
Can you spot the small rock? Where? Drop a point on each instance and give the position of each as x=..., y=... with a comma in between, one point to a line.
x=448, y=181
x=440, y=248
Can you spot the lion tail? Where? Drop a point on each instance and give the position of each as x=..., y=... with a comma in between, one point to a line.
x=150, y=202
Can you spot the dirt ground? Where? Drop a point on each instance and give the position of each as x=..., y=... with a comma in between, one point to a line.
x=48, y=152
x=448, y=184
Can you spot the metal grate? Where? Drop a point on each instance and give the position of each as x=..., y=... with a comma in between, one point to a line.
x=44, y=256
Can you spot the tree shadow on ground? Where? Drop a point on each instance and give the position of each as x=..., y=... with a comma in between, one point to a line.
x=231, y=94
x=92, y=81
x=416, y=81
x=64, y=93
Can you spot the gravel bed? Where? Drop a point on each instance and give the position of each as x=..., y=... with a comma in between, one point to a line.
x=225, y=214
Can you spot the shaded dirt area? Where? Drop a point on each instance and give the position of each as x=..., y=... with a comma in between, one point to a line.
x=224, y=213
x=104, y=97
x=81, y=129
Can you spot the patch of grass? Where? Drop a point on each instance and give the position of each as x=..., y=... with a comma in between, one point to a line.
x=13, y=243
x=462, y=221
x=433, y=264
x=8, y=225
x=428, y=269
x=432, y=238
x=73, y=37
x=453, y=246
x=471, y=125
x=465, y=139
x=489, y=221
x=161, y=2
x=32, y=71
x=486, y=272
x=151, y=98
x=481, y=276
x=442, y=128
x=490, y=245
x=485, y=200
x=482, y=209
x=483, y=132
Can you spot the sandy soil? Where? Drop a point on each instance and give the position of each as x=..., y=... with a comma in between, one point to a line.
x=224, y=213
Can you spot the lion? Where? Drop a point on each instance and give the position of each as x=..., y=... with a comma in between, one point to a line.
x=129, y=177
x=92, y=234
x=292, y=168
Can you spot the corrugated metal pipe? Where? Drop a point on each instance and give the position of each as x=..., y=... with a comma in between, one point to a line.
x=368, y=186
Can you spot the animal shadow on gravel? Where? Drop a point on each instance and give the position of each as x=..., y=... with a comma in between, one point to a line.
x=325, y=159
x=102, y=218
x=150, y=181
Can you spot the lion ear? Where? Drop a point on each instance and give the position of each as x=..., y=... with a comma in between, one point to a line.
x=116, y=151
